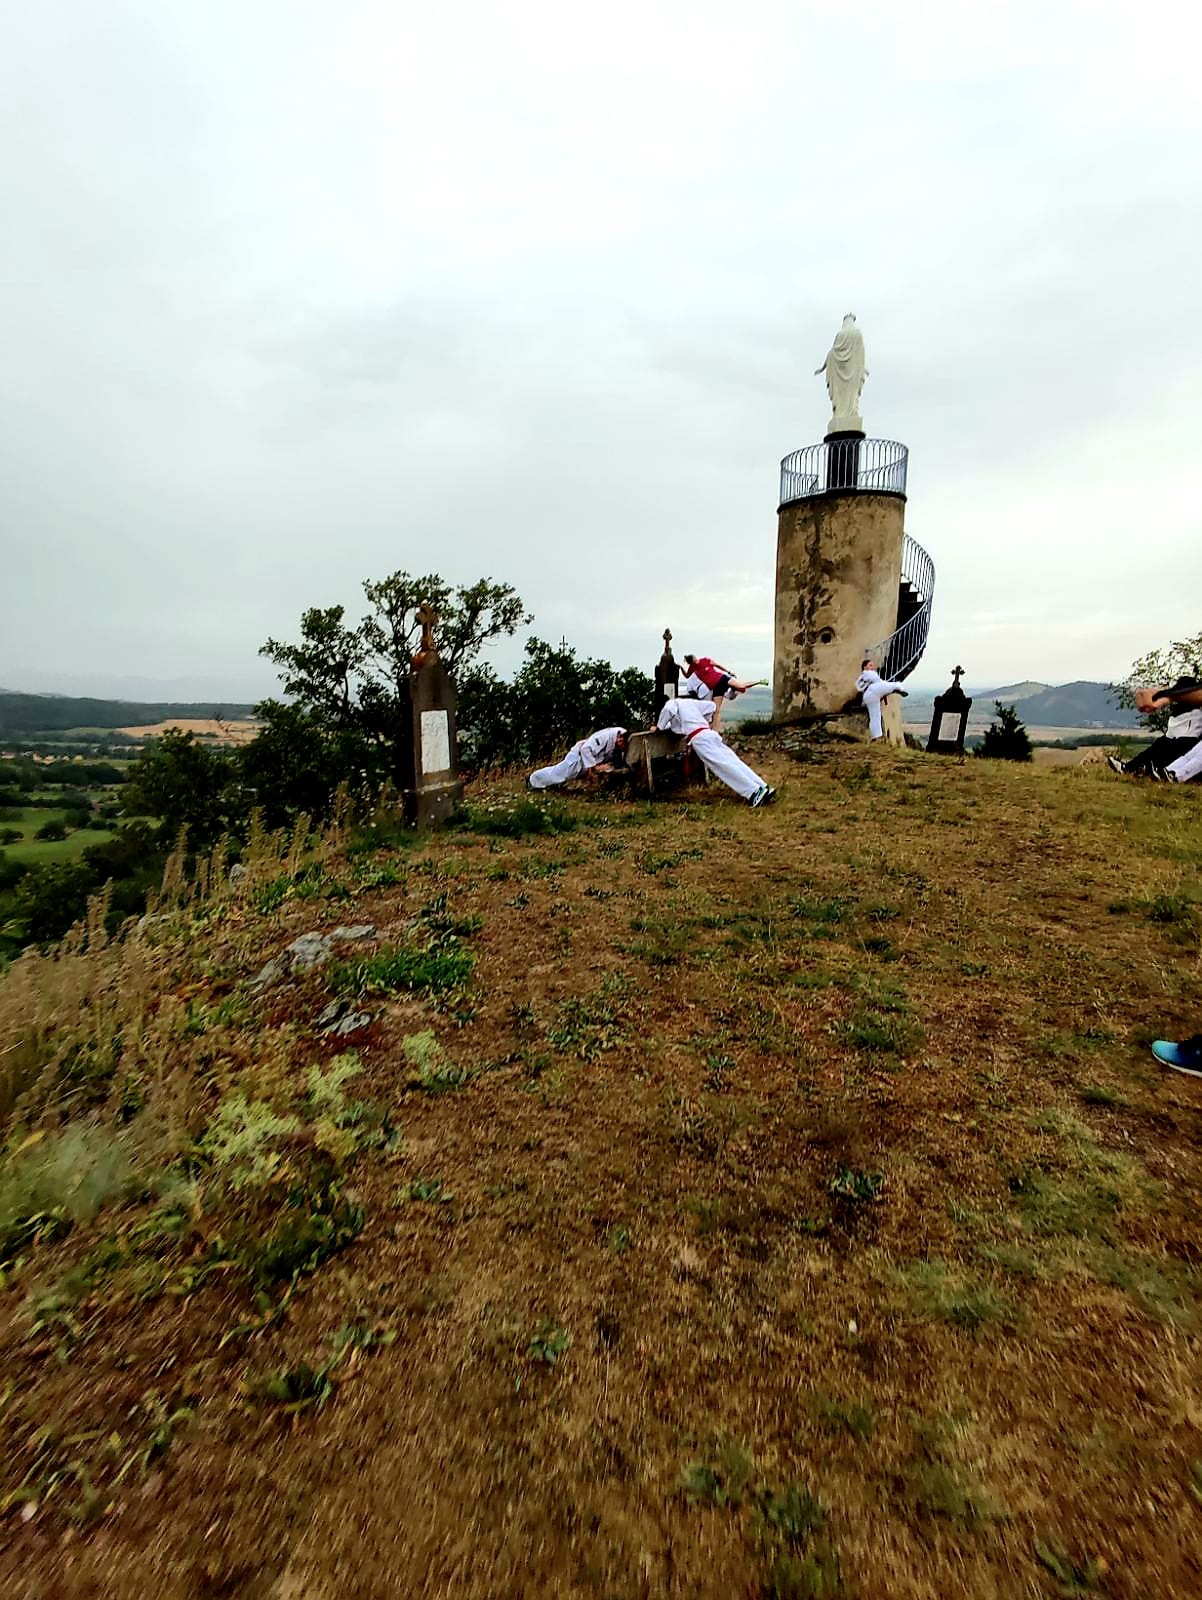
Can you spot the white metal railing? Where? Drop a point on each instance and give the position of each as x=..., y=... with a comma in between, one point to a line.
x=865, y=465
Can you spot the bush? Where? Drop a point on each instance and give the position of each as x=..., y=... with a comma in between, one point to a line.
x=10, y=836
x=52, y=898
x=53, y=830
x=1006, y=739
x=11, y=872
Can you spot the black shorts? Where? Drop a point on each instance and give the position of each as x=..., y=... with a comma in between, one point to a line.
x=722, y=685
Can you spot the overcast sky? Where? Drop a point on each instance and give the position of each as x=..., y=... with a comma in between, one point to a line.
x=298, y=293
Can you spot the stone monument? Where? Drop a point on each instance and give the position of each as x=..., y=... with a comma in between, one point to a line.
x=841, y=592
x=949, y=719
x=431, y=788
x=667, y=676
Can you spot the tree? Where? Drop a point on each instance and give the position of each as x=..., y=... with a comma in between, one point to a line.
x=184, y=783
x=349, y=717
x=51, y=898
x=1006, y=739
x=296, y=762
x=1180, y=659
x=555, y=699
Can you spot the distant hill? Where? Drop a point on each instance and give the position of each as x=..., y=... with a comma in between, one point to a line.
x=1072, y=705
x=55, y=713
x=1014, y=692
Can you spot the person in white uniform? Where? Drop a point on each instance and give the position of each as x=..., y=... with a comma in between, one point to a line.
x=594, y=754
x=872, y=689
x=1186, y=768
x=1180, y=737
x=692, y=718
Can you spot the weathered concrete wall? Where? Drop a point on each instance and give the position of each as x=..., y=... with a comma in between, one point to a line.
x=838, y=567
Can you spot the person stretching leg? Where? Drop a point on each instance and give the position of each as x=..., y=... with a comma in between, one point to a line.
x=692, y=719
x=592, y=754
x=719, y=680
x=873, y=689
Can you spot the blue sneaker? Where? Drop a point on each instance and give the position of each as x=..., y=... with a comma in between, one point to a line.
x=1184, y=1057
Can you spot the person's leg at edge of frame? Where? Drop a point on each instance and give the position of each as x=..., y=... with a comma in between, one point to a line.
x=1184, y=1055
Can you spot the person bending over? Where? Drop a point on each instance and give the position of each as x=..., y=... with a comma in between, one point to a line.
x=1179, y=738
x=600, y=752
x=691, y=718
x=873, y=691
x=719, y=680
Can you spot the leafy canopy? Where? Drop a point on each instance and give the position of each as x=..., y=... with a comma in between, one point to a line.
x=1180, y=659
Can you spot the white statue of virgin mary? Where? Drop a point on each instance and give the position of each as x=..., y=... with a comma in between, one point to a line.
x=845, y=374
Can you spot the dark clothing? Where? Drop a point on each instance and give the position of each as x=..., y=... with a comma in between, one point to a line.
x=1159, y=755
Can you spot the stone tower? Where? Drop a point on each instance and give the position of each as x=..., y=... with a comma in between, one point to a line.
x=849, y=581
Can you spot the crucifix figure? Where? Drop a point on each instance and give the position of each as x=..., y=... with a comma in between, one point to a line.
x=428, y=650
x=667, y=641
x=957, y=674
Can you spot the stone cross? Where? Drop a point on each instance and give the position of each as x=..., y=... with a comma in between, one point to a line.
x=667, y=641
x=957, y=674
x=427, y=616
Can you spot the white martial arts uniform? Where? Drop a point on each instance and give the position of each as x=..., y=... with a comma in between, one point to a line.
x=581, y=758
x=692, y=718
x=1187, y=767
x=693, y=685
x=872, y=690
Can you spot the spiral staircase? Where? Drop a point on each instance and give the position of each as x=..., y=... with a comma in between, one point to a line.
x=898, y=655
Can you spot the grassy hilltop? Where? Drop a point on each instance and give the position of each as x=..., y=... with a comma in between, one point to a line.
x=702, y=1202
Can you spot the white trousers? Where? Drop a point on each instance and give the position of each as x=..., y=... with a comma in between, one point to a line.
x=1188, y=766
x=872, y=698
x=718, y=758
x=572, y=766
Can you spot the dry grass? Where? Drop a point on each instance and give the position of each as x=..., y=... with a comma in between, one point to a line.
x=787, y=1204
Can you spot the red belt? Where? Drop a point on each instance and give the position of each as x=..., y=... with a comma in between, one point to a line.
x=691, y=736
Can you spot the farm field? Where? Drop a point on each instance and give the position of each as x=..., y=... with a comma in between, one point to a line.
x=700, y=1202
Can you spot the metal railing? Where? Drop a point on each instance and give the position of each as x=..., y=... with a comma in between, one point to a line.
x=898, y=655
x=865, y=465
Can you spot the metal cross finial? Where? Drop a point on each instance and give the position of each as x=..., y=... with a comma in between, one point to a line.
x=957, y=674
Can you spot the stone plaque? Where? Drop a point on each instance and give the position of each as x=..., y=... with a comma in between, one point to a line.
x=436, y=741
x=949, y=727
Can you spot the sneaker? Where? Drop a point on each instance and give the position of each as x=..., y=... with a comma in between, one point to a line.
x=768, y=798
x=757, y=799
x=1115, y=764
x=1184, y=1057
x=1162, y=776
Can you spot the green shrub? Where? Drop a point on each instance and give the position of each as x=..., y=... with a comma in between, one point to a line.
x=425, y=971
x=62, y=1179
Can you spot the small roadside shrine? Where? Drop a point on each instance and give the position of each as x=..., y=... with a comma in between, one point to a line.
x=431, y=788
x=950, y=719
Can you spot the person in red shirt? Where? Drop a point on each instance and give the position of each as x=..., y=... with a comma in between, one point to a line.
x=719, y=680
